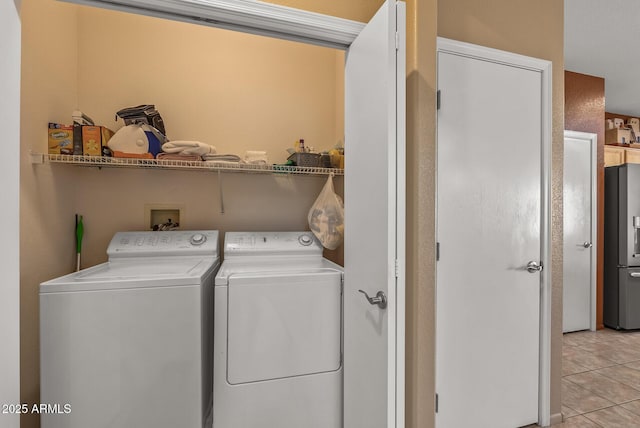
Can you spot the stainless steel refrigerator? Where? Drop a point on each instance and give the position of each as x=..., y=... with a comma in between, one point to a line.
x=622, y=247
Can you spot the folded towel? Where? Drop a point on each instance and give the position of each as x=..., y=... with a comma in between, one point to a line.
x=178, y=156
x=221, y=158
x=255, y=157
x=220, y=162
x=255, y=162
x=119, y=154
x=188, y=148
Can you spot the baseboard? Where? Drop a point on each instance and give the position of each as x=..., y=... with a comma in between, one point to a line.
x=557, y=418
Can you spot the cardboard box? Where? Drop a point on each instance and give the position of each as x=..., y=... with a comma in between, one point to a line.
x=60, y=139
x=91, y=141
x=618, y=136
x=94, y=138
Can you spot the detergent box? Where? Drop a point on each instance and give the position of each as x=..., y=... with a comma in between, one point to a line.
x=94, y=138
x=60, y=139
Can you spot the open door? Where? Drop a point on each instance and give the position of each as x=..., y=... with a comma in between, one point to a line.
x=375, y=213
x=579, y=231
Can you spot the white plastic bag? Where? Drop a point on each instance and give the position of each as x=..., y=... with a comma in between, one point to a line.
x=326, y=217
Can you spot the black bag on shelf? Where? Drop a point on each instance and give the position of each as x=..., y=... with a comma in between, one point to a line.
x=146, y=113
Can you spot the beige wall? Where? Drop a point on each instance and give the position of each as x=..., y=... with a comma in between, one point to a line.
x=535, y=29
x=235, y=91
x=356, y=10
x=48, y=93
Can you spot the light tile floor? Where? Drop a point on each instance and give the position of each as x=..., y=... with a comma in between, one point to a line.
x=601, y=379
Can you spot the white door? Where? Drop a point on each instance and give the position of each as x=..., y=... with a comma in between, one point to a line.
x=374, y=223
x=10, y=176
x=579, y=206
x=490, y=210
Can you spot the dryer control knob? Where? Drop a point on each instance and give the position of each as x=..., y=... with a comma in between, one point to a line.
x=305, y=240
x=198, y=239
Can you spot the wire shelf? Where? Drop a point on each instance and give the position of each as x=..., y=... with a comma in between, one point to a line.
x=110, y=162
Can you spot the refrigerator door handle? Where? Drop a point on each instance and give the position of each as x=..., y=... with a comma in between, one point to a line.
x=634, y=274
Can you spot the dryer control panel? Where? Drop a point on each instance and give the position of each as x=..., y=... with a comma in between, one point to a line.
x=164, y=243
x=271, y=244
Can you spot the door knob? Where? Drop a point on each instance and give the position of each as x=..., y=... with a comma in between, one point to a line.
x=587, y=245
x=380, y=299
x=533, y=267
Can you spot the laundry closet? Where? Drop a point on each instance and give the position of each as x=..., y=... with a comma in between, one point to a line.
x=233, y=90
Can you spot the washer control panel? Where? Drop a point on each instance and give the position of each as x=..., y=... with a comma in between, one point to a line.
x=271, y=243
x=164, y=243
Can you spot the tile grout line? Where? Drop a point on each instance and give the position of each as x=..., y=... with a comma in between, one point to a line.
x=594, y=393
x=591, y=420
x=604, y=343
x=619, y=381
x=596, y=371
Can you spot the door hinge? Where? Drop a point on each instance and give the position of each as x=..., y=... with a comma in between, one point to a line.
x=438, y=100
x=397, y=41
x=437, y=251
x=436, y=403
x=397, y=269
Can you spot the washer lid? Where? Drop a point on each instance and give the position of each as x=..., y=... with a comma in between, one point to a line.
x=135, y=273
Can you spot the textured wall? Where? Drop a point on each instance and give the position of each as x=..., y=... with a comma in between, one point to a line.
x=421, y=173
x=584, y=111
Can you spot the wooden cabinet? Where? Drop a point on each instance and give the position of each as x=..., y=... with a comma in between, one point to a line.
x=632, y=156
x=615, y=155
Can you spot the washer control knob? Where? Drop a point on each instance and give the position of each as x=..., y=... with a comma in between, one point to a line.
x=198, y=239
x=305, y=240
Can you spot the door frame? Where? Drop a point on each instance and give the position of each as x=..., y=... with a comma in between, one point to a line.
x=246, y=16
x=591, y=139
x=545, y=69
x=272, y=20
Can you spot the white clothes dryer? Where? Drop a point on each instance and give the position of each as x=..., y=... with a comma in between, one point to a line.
x=128, y=343
x=277, y=334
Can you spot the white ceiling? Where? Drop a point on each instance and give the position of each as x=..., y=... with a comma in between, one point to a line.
x=602, y=38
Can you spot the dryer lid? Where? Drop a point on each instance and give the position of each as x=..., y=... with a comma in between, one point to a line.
x=269, y=266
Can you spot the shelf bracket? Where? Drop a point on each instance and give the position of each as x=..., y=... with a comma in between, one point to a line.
x=36, y=158
x=220, y=192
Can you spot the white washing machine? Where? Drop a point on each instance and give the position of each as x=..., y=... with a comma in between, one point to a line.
x=128, y=343
x=277, y=334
